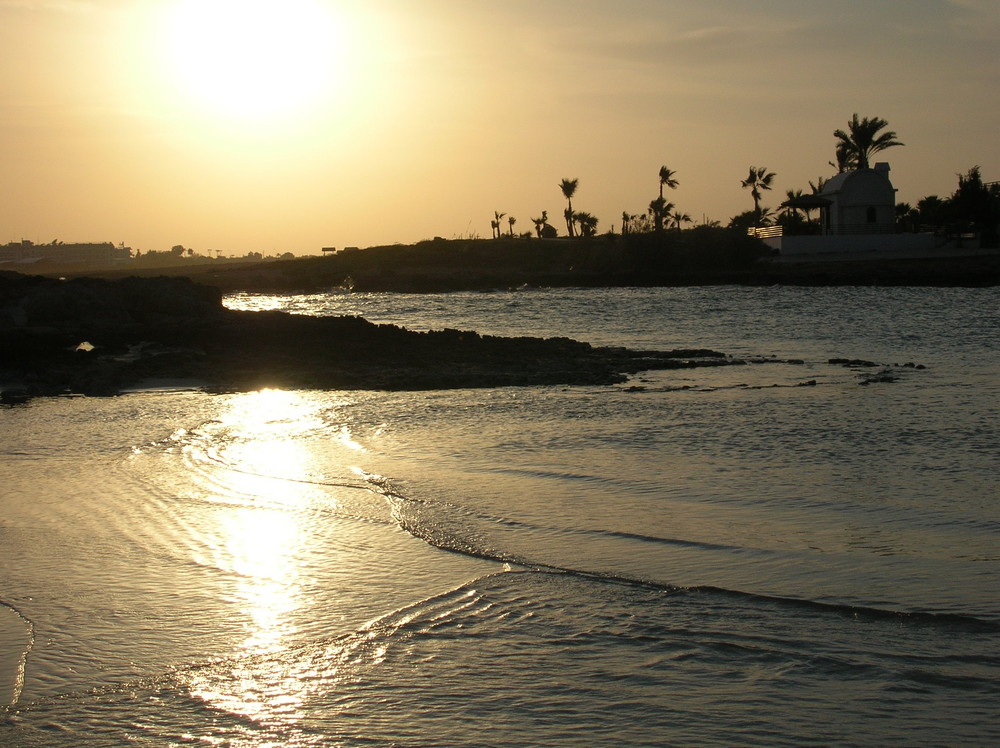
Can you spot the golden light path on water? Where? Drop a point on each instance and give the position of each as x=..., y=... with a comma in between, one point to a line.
x=265, y=543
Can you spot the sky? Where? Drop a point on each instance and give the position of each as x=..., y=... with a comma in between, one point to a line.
x=273, y=126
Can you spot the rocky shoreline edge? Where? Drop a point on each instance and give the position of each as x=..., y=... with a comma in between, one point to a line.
x=96, y=337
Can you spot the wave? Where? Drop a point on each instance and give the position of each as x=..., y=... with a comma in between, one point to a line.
x=16, y=684
x=205, y=453
x=413, y=523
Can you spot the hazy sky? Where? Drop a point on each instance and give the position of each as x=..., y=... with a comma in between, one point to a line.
x=289, y=125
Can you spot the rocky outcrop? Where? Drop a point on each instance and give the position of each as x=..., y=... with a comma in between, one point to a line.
x=98, y=337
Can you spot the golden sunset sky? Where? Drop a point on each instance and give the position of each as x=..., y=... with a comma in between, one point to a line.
x=289, y=125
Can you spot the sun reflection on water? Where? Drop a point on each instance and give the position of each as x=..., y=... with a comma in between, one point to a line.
x=262, y=543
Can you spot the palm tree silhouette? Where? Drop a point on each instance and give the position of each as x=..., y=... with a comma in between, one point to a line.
x=792, y=210
x=511, y=221
x=863, y=140
x=568, y=187
x=667, y=179
x=659, y=210
x=677, y=218
x=588, y=223
x=844, y=159
x=759, y=179
x=539, y=222
x=496, y=223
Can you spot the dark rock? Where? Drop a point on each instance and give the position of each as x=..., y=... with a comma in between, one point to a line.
x=852, y=362
x=885, y=375
x=153, y=328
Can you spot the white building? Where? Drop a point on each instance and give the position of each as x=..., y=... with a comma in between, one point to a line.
x=859, y=202
x=857, y=214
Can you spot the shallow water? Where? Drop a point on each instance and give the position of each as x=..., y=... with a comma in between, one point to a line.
x=771, y=554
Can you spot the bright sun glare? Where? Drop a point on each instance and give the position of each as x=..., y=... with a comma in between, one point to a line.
x=259, y=59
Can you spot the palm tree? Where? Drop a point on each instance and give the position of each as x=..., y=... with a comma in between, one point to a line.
x=791, y=210
x=542, y=227
x=539, y=222
x=667, y=179
x=933, y=212
x=568, y=187
x=677, y=218
x=759, y=179
x=588, y=223
x=511, y=221
x=496, y=223
x=659, y=210
x=862, y=140
x=907, y=217
x=844, y=160
x=766, y=216
x=570, y=217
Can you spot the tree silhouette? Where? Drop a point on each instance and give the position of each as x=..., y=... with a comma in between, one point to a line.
x=495, y=223
x=659, y=210
x=907, y=217
x=511, y=221
x=542, y=228
x=862, y=140
x=792, y=210
x=844, y=159
x=667, y=179
x=758, y=179
x=976, y=206
x=539, y=222
x=751, y=219
x=570, y=218
x=677, y=218
x=587, y=222
x=932, y=210
x=568, y=187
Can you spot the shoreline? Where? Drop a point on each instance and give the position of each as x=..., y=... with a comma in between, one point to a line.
x=719, y=257
x=101, y=338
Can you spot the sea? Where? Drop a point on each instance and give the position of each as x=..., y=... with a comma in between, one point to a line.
x=799, y=549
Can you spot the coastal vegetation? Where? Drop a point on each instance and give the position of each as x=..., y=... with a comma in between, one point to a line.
x=758, y=179
x=657, y=246
x=862, y=140
x=976, y=210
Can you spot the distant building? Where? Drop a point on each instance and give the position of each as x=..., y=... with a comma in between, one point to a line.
x=858, y=202
x=857, y=214
x=89, y=254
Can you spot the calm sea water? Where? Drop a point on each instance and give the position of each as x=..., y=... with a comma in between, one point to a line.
x=768, y=554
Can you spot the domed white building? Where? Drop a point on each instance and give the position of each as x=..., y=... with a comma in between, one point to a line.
x=857, y=214
x=859, y=202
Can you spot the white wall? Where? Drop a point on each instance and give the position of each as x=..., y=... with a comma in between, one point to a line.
x=812, y=245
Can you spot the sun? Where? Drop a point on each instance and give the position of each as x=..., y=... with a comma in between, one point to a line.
x=255, y=59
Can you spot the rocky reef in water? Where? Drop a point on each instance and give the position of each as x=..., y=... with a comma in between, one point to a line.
x=98, y=337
